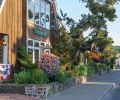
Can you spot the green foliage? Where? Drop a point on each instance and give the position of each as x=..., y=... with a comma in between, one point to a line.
x=24, y=60
x=81, y=70
x=62, y=76
x=91, y=70
x=22, y=77
x=30, y=77
x=39, y=77
x=64, y=48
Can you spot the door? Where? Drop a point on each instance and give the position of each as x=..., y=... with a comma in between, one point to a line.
x=1, y=49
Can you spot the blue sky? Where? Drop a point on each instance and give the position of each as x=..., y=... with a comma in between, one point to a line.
x=74, y=9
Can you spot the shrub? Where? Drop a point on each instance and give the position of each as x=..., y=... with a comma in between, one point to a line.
x=23, y=59
x=91, y=70
x=30, y=77
x=50, y=64
x=39, y=77
x=61, y=76
x=22, y=77
x=81, y=70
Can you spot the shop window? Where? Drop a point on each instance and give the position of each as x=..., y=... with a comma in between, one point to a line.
x=37, y=12
x=30, y=54
x=30, y=42
x=34, y=50
x=42, y=44
x=47, y=50
x=43, y=21
x=37, y=44
x=47, y=45
x=47, y=16
x=37, y=55
x=31, y=10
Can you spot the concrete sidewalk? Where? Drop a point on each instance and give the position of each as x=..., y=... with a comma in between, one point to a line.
x=8, y=96
x=95, y=89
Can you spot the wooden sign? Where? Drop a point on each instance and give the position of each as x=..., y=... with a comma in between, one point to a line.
x=40, y=33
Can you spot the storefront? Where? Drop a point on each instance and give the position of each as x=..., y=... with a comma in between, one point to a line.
x=25, y=22
x=38, y=40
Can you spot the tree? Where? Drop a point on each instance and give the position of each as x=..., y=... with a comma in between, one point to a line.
x=64, y=48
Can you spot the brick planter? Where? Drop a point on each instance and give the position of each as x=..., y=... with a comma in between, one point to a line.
x=81, y=79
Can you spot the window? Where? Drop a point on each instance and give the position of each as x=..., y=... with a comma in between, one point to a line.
x=47, y=16
x=47, y=50
x=1, y=2
x=39, y=12
x=37, y=55
x=47, y=45
x=34, y=50
x=37, y=44
x=42, y=13
x=30, y=42
x=43, y=44
x=30, y=54
x=31, y=10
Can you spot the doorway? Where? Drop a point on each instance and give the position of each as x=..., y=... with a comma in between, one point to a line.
x=3, y=49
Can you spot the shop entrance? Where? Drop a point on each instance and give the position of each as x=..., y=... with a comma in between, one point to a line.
x=3, y=49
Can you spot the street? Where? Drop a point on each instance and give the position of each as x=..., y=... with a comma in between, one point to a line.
x=114, y=94
x=99, y=88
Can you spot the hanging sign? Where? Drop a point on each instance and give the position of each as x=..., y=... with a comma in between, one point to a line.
x=38, y=32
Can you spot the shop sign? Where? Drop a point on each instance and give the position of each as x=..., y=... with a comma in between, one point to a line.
x=38, y=32
x=5, y=70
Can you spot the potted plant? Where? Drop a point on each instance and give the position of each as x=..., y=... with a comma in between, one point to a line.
x=81, y=72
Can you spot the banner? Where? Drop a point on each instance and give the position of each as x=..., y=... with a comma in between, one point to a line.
x=5, y=70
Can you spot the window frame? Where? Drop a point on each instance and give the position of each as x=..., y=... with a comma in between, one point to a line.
x=45, y=2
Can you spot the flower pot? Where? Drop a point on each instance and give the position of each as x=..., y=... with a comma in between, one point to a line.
x=81, y=79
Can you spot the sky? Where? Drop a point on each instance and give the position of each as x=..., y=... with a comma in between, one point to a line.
x=74, y=9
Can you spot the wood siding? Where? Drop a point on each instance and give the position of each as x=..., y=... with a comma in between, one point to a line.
x=13, y=23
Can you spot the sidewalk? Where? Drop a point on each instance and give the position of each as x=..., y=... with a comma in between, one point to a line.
x=9, y=96
x=95, y=89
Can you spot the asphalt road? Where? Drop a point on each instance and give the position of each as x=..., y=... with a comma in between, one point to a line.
x=114, y=94
x=95, y=89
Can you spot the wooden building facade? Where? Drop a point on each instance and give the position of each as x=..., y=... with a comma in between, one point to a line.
x=25, y=22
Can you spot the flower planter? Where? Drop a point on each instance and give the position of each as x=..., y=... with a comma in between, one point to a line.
x=81, y=79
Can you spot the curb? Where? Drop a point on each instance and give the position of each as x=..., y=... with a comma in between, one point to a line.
x=106, y=92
